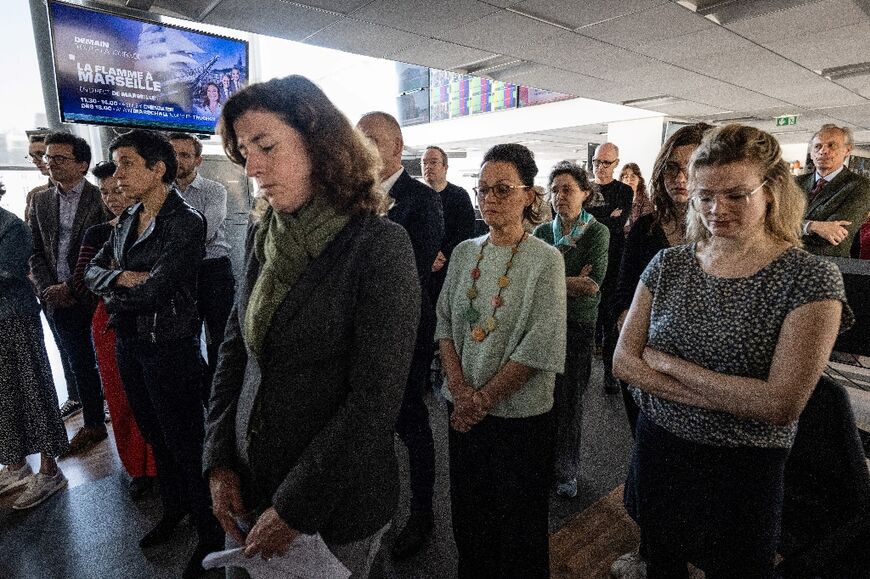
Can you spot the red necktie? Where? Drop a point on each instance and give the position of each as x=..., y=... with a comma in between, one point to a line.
x=820, y=184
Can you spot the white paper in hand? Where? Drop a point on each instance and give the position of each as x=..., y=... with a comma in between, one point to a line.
x=307, y=558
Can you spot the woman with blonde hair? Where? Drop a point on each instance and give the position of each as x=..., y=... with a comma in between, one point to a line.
x=317, y=349
x=725, y=340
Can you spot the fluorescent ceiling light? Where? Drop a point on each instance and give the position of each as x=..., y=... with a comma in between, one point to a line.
x=845, y=71
x=660, y=100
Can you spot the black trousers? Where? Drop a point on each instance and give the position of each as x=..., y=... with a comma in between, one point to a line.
x=162, y=385
x=413, y=425
x=499, y=494
x=215, y=294
x=716, y=507
x=72, y=331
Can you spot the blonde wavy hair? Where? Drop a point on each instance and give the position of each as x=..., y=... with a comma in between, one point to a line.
x=743, y=144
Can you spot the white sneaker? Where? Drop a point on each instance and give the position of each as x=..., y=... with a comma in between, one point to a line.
x=11, y=480
x=39, y=488
x=629, y=566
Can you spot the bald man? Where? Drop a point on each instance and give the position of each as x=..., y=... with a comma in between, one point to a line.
x=417, y=208
x=612, y=207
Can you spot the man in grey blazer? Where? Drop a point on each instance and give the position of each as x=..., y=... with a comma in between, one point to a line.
x=59, y=217
x=837, y=199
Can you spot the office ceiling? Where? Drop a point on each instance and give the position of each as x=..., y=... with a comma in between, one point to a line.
x=713, y=60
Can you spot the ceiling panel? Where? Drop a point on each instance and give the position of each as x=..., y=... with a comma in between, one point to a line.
x=582, y=54
x=816, y=51
x=272, y=18
x=503, y=33
x=684, y=108
x=814, y=92
x=441, y=54
x=657, y=23
x=688, y=47
x=365, y=38
x=340, y=6
x=857, y=84
x=803, y=20
x=857, y=115
x=424, y=17
x=575, y=14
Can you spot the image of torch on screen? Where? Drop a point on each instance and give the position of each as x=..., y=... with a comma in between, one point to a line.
x=114, y=70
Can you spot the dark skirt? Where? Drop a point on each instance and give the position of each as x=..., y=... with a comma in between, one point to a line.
x=30, y=419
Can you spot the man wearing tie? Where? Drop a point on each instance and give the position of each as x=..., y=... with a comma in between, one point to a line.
x=837, y=198
x=417, y=208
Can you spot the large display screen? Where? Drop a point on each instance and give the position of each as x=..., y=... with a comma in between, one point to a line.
x=454, y=95
x=114, y=70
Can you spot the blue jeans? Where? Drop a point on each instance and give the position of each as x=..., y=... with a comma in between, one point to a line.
x=72, y=331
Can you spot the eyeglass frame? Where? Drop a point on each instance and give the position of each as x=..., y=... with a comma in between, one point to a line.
x=672, y=170
x=730, y=199
x=49, y=159
x=481, y=195
x=605, y=164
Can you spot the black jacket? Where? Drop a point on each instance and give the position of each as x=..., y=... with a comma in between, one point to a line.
x=171, y=250
x=308, y=425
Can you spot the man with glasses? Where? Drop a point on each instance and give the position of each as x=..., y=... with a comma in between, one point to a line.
x=35, y=154
x=216, y=285
x=417, y=208
x=611, y=205
x=58, y=220
x=837, y=199
x=458, y=213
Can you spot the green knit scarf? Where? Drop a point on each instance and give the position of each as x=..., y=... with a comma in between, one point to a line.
x=284, y=246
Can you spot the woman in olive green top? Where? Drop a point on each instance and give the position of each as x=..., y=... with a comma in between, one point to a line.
x=583, y=243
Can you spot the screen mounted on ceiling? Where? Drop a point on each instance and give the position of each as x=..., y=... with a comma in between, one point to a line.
x=115, y=70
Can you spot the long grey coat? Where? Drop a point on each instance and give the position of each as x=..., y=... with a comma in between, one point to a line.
x=309, y=425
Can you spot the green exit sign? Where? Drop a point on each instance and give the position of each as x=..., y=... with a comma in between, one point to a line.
x=786, y=120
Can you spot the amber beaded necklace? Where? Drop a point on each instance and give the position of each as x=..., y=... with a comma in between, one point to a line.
x=479, y=332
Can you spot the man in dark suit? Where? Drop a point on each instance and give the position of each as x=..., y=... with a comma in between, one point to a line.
x=417, y=208
x=837, y=199
x=59, y=217
x=458, y=213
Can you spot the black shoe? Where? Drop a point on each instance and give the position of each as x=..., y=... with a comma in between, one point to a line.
x=417, y=530
x=162, y=531
x=194, y=567
x=141, y=486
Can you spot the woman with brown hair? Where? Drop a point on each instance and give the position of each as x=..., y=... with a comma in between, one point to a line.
x=640, y=203
x=318, y=347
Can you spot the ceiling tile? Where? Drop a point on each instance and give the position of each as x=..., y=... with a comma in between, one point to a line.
x=503, y=33
x=816, y=52
x=364, y=38
x=858, y=115
x=272, y=18
x=688, y=47
x=424, y=17
x=657, y=23
x=441, y=54
x=575, y=14
x=572, y=51
x=811, y=18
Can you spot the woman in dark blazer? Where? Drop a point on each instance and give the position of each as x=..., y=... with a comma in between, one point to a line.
x=318, y=347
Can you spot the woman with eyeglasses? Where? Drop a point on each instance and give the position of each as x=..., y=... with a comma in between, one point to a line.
x=582, y=241
x=723, y=344
x=664, y=227
x=501, y=330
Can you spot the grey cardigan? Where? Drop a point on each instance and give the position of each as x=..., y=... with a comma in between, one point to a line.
x=309, y=424
x=16, y=293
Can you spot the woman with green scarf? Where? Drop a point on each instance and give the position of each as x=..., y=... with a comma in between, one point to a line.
x=317, y=350
x=583, y=243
